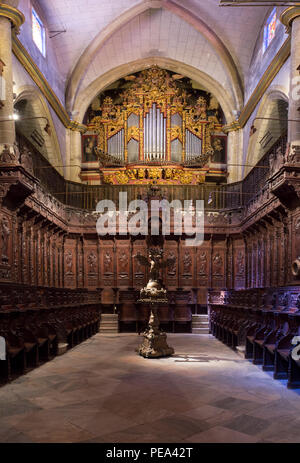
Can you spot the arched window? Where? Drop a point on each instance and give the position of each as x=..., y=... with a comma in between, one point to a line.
x=38, y=32
x=270, y=29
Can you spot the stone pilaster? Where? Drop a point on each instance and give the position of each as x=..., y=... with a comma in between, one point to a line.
x=291, y=19
x=73, y=161
x=10, y=19
x=234, y=150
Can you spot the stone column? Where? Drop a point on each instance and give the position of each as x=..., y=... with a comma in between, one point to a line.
x=234, y=150
x=73, y=160
x=291, y=19
x=10, y=18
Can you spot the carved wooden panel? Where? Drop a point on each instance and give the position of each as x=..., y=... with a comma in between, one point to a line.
x=186, y=265
x=171, y=272
x=239, y=265
x=139, y=271
x=107, y=263
x=5, y=247
x=203, y=266
x=124, y=263
x=218, y=266
x=91, y=264
x=69, y=263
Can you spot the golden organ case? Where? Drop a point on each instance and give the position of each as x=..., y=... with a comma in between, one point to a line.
x=154, y=128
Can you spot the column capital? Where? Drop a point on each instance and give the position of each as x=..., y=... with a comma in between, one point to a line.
x=288, y=15
x=15, y=16
x=232, y=127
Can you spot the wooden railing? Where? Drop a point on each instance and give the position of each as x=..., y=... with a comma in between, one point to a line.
x=225, y=196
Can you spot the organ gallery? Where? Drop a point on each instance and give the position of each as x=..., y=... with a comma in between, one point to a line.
x=149, y=222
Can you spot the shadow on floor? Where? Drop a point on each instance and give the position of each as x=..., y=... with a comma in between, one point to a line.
x=202, y=358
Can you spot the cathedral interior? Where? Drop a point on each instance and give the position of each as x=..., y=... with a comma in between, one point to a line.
x=159, y=102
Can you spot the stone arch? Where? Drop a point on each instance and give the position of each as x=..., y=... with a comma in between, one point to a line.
x=86, y=96
x=92, y=49
x=37, y=107
x=273, y=104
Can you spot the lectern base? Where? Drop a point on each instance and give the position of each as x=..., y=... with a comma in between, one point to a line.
x=155, y=341
x=155, y=346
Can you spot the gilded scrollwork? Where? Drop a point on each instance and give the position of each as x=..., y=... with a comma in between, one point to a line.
x=180, y=111
x=133, y=132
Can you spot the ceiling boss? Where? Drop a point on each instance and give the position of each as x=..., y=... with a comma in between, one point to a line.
x=154, y=126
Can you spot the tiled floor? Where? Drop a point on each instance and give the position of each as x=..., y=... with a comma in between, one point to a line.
x=102, y=391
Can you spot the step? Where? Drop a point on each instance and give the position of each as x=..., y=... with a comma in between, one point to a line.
x=200, y=324
x=105, y=323
x=200, y=330
x=109, y=323
x=109, y=316
x=108, y=331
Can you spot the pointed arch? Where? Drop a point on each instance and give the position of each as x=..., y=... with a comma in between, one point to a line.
x=276, y=93
x=85, y=97
x=97, y=43
x=40, y=108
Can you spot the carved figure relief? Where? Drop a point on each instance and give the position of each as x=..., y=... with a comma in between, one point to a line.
x=172, y=268
x=187, y=263
x=203, y=263
x=276, y=160
x=217, y=264
x=10, y=156
x=107, y=262
x=294, y=155
x=138, y=267
x=240, y=263
x=5, y=232
x=123, y=264
x=26, y=159
x=297, y=225
x=69, y=262
x=92, y=260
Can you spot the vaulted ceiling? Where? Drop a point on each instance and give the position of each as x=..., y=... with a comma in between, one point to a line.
x=102, y=35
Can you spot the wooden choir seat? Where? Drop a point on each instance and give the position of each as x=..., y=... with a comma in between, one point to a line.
x=183, y=318
x=166, y=318
x=33, y=328
x=263, y=321
x=143, y=314
x=128, y=317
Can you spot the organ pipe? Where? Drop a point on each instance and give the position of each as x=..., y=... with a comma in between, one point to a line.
x=116, y=145
x=193, y=145
x=155, y=135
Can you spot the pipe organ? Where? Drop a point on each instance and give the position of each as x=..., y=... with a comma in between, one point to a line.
x=193, y=145
x=115, y=145
x=155, y=143
x=155, y=128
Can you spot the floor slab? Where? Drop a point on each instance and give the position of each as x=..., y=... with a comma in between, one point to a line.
x=102, y=391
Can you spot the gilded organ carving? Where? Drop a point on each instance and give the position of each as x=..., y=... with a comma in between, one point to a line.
x=153, y=117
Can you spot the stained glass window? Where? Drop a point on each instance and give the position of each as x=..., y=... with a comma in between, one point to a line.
x=270, y=29
x=38, y=32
